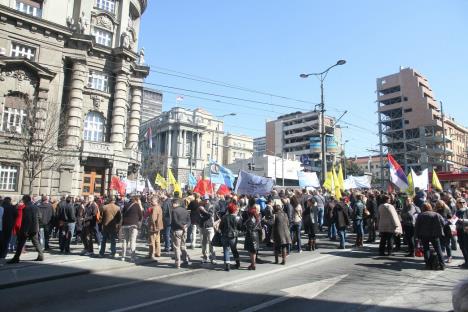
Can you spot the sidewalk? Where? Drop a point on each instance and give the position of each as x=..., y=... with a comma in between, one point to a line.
x=57, y=265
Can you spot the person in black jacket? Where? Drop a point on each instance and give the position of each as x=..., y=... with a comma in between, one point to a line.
x=8, y=222
x=131, y=219
x=167, y=220
x=45, y=216
x=29, y=229
x=206, y=211
x=180, y=221
x=66, y=216
x=229, y=227
x=371, y=206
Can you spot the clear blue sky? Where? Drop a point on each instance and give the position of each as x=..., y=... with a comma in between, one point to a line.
x=265, y=45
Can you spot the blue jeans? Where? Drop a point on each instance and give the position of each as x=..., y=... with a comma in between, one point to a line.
x=359, y=226
x=167, y=238
x=296, y=233
x=229, y=244
x=342, y=236
x=332, y=231
x=111, y=237
x=65, y=236
x=319, y=218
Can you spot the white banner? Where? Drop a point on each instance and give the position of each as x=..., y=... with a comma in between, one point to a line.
x=357, y=182
x=308, y=179
x=251, y=184
x=421, y=181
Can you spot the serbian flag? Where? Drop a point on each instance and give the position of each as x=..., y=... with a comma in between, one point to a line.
x=397, y=175
x=149, y=137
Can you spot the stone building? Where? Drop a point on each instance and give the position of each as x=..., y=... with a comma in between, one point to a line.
x=237, y=147
x=151, y=105
x=183, y=140
x=78, y=57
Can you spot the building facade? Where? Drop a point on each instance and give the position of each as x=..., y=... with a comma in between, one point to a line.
x=259, y=146
x=78, y=58
x=151, y=105
x=236, y=147
x=412, y=126
x=299, y=134
x=182, y=140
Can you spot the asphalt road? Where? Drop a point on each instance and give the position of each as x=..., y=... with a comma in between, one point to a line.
x=327, y=279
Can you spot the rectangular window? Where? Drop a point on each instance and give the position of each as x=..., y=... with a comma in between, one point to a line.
x=12, y=119
x=8, y=177
x=30, y=7
x=102, y=36
x=22, y=51
x=106, y=5
x=407, y=110
x=98, y=81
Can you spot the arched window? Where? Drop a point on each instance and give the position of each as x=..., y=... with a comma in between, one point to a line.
x=93, y=129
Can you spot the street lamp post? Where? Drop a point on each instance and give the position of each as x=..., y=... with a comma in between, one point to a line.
x=321, y=76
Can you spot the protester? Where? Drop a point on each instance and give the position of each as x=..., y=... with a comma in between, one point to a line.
x=167, y=221
x=89, y=226
x=462, y=229
x=111, y=219
x=45, y=217
x=309, y=218
x=66, y=217
x=341, y=219
x=29, y=230
x=296, y=223
x=229, y=228
x=430, y=228
x=408, y=220
x=207, y=232
x=446, y=241
x=155, y=226
x=193, y=207
x=8, y=222
x=131, y=218
x=389, y=225
x=358, y=218
x=252, y=240
x=281, y=234
x=180, y=220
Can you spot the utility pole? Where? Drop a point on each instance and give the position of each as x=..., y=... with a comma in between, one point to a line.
x=443, y=136
x=382, y=183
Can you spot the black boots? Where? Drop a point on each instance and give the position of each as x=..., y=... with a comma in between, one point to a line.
x=227, y=267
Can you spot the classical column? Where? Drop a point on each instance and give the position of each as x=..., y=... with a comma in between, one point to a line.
x=169, y=143
x=75, y=106
x=184, y=143
x=118, y=114
x=134, y=124
x=199, y=142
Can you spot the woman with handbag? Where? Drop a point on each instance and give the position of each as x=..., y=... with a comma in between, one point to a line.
x=229, y=228
x=252, y=226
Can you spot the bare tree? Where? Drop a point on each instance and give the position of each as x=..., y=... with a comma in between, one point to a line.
x=38, y=137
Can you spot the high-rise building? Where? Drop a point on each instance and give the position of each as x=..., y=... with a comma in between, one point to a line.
x=412, y=127
x=78, y=58
x=237, y=146
x=298, y=134
x=151, y=105
x=259, y=146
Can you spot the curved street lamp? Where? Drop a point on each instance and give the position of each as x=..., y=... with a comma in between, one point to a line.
x=321, y=76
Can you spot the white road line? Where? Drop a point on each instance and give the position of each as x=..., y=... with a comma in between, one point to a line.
x=307, y=291
x=154, y=278
x=202, y=290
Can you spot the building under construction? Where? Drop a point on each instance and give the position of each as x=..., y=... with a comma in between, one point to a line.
x=414, y=129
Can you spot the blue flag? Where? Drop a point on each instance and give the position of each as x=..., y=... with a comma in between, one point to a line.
x=192, y=181
x=221, y=175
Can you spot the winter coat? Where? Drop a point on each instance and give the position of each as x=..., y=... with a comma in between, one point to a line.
x=229, y=226
x=206, y=217
x=388, y=220
x=9, y=217
x=30, y=219
x=429, y=224
x=111, y=218
x=409, y=214
x=281, y=232
x=167, y=212
x=45, y=213
x=156, y=223
x=359, y=210
x=309, y=217
x=341, y=215
x=132, y=215
x=252, y=237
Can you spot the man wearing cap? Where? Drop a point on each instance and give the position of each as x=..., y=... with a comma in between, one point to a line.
x=206, y=228
x=462, y=228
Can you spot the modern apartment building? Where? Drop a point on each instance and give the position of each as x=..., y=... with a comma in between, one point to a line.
x=298, y=133
x=259, y=146
x=151, y=105
x=183, y=140
x=237, y=146
x=78, y=58
x=411, y=124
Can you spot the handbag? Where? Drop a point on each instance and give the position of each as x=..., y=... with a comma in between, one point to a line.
x=216, y=225
x=216, y=241
x=419, y=252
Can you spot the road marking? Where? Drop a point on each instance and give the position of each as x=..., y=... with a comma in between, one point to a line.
x=202, y=290
x=307, y=291
x=154, y=278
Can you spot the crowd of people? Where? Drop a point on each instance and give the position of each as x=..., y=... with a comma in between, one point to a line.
x=430, y=224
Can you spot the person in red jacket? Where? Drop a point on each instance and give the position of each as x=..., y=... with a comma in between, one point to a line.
x=19, y=216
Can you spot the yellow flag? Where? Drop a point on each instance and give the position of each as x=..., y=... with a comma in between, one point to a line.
x=341, y=178
x=336, y=186
x=328, y=184
x=435, y=181
x=173, y=182
x=410, y=189
x=160, y=181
